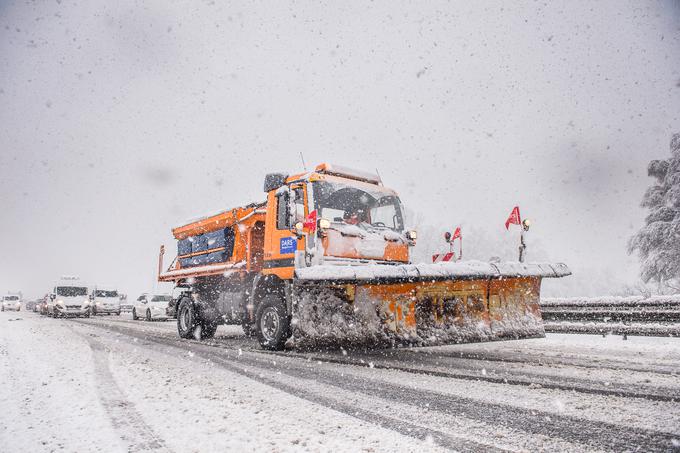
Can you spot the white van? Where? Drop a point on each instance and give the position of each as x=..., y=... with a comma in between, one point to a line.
x=11, y=302
x=69, y=297
x=105, y=300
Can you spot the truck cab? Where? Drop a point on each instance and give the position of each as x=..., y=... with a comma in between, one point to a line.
x=333, y=215
x=69, y=298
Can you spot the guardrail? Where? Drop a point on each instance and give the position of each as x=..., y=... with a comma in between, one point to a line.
x=637, y=315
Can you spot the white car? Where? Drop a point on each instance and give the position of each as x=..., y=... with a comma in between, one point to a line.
x=151, y=306
x=11, y=302
x=105, y=300
x=69, y=298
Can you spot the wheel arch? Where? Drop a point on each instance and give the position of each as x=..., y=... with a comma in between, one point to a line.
x=264, y=285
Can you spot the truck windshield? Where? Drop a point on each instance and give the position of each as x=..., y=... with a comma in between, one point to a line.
x=354, y=205
x=71, y=291
x=103, y=293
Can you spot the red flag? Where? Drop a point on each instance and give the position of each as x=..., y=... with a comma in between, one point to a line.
x=514, y=218
x=456, y=234
x=309, y=224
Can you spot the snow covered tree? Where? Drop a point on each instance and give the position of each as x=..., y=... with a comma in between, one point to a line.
x=658, y=242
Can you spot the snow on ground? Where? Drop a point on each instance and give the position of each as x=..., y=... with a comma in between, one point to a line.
x=69, y=387
x=113, y=384
x=48, y=398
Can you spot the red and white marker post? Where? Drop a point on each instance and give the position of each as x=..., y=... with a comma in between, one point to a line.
x=515, y=219
x=450, y=256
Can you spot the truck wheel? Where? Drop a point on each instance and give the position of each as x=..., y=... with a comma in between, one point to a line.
x=187, y=321
x=272, y=323
x=134, y=315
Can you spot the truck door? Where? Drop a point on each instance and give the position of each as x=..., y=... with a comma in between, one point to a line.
x=286, y=208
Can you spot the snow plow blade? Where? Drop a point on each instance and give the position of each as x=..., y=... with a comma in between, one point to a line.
x=418, y=305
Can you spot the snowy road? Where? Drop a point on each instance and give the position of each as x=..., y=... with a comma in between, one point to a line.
x=113, y=384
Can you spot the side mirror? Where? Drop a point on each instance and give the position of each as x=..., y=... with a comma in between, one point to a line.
x=53, y=296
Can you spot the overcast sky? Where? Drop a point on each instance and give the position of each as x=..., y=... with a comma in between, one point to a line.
x=118, y=120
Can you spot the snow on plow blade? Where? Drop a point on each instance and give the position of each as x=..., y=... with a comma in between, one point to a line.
x=422, y=304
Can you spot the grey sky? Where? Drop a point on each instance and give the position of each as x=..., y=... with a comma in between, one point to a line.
x=118, y=120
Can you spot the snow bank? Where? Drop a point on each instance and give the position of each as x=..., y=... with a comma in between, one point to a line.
x=612, y=301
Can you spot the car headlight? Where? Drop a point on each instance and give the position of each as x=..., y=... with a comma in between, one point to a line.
x=60, y=303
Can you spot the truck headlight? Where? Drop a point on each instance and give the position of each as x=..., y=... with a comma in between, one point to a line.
x=411, y=237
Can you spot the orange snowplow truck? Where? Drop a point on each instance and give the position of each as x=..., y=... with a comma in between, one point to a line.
x=324, y=261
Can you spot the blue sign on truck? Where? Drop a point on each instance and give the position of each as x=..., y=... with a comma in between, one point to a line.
x=288, y=245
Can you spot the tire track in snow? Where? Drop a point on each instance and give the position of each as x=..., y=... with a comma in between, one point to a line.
x=590, y=433
x=402, y=427
x=541, y=360
x=124, y=417
x=499, y=376
x=493, y=374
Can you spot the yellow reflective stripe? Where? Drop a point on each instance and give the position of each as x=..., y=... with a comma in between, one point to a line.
x=205, y=252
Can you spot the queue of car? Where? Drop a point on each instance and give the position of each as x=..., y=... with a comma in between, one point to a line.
x=70, y=297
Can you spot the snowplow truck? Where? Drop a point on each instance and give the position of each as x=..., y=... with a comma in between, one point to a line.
x=324, y=262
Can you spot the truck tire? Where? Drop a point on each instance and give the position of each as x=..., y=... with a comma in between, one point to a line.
x=134, y=315
x=187, y=321
x=272, y=325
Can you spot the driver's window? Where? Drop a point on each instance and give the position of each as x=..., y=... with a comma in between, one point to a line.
x=282, y=211
x=299, y=204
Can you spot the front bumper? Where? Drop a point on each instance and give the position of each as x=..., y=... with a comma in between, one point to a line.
x=72, y=312
x=106, y=310
x=12, y=307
